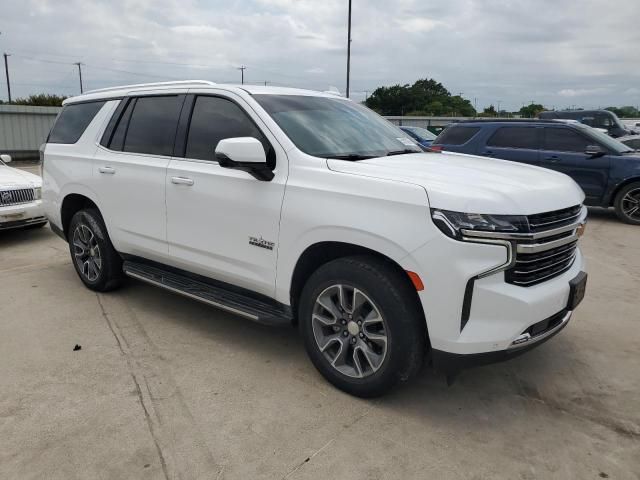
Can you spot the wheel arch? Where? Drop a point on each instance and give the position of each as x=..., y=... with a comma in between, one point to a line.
x=320, y=253
x=71, y=204
x=619, y=187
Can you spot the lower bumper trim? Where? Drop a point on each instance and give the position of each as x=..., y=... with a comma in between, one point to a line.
x=452, y=363
x=22, y=223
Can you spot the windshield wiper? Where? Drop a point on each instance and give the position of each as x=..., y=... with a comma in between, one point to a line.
x=402, y=152
x=353, y=156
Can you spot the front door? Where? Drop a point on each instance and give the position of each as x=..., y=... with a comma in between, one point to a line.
x=564, y=151
x=222, y=223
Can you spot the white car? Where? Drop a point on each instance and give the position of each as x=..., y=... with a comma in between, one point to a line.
x=283, y=205
x=20, y=198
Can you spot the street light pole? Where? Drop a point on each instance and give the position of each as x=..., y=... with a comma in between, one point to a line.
x=242, y=69
x=349, y=49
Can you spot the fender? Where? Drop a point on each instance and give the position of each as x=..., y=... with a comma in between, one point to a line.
x=361, y=238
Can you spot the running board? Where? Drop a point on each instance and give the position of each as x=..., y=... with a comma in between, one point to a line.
x=260, y=311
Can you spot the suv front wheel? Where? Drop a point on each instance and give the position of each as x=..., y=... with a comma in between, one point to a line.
x=361, y=325
x=627, y=204
x=97, y=263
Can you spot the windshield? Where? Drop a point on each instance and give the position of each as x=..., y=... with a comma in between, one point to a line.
x=606, y=140
x=421, y=133
x=335, y=127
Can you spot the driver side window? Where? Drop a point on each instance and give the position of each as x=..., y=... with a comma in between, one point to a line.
x=564, y=140
x=214, y=119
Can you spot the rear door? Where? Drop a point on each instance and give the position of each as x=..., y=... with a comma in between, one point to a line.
x=516, y=143
x=564, y=151
x=130, y=169
x=223, y=223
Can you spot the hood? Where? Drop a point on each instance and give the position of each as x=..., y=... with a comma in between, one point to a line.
x=467, y=183
x=12, y=177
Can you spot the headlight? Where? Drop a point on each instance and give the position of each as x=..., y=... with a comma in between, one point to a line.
x=452, y=223
x=37, y=193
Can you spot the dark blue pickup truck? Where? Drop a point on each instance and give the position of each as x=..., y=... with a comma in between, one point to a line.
x=608, y=171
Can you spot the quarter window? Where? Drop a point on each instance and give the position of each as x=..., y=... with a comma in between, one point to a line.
x=152, y=127
x=515, y=137
x=564, y=140
x=73, y=121
x=214, y=119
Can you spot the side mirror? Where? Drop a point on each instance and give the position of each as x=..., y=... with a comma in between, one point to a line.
x=594, y=151
x=246, y=154
x=5, y=158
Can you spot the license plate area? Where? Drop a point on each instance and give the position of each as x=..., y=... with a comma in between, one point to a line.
x=577, y=289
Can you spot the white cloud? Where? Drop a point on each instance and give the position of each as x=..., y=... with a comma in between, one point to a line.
x=417, y=24
x=581, y=92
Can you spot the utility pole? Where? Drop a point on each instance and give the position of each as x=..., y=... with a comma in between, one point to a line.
x=80, y=74
x=265, y=82
x=475, y=104
x=242, y=69
x=498, y=113
x=6, y=71
x=349, y=49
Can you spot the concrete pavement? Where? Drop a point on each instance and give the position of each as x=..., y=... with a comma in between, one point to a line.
x=165, y=387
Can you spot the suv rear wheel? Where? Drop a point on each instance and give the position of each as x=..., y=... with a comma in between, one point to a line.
x=361, y=325
x=97, y=263
x=627, y=204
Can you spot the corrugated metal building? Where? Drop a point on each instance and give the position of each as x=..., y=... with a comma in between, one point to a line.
x=23, y=129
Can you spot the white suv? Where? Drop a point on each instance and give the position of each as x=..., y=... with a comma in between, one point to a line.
x=285, y=205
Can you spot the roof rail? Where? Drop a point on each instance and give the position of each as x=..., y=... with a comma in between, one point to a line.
x=176, y=83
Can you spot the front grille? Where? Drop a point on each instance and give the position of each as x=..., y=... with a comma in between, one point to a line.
x=533, y=268
x=550, y=220
x=546, y=263
x=16, y=197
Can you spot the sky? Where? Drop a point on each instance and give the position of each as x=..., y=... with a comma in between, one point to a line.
x=560, y=53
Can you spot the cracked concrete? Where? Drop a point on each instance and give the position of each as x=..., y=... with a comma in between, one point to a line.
x=168, y=388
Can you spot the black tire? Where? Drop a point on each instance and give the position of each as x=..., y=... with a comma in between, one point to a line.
x=395, y=299
x=109, y=275
x=622, y=200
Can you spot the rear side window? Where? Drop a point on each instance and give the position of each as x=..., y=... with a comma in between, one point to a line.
x=214, y=119
x=152, y=126
x=73, y=121
x=515, y=137
x=456, y=135
x=564, y=140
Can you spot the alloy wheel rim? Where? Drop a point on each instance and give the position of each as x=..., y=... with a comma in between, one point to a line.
x=631, y=204
x=87, y=252
x=349, y=331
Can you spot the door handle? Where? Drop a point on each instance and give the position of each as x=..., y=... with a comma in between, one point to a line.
x=107, y=170
x=553, y=159
x=182, y=181
x=488, y=153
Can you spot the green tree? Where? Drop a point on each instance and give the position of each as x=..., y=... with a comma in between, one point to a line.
x=41, y=100
x=489, y=111
x=625, y=112
x=424, y=97
x=532, y=110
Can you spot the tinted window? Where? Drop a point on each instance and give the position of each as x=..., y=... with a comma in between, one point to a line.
x=456, y=135
x=564, y=140
x=515, y=137
x=152, y=128
x=72, y=122
x=117, y=141
x=214, y=119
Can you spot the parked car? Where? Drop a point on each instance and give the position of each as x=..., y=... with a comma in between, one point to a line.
x=20, y=198
x=283, y=205
x=603, y=119
x=608, y=171
x=422, y=136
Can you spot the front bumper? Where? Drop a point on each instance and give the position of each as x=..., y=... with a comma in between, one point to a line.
x=451, y=363
x=22, y=215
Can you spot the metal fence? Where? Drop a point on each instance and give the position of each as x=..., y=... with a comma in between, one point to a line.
x=23, y=129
